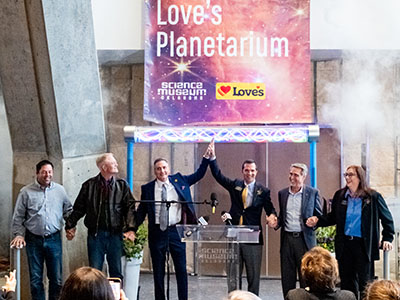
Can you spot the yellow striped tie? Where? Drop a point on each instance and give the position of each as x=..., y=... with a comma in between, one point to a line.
x=244, y=200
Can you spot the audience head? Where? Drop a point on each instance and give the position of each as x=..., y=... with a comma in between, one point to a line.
x=242, y=295
x=87, y=283
x=382, y=290
x=319, y=269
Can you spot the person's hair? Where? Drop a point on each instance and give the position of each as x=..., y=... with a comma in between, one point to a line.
x=158, y=160
x=242, y=295
x=303, y=167
x=382, y=290
x=42, y=163
x=102, y=158
x=319, y=269
x=249, y=161
x=363, y=187
x=87, y=283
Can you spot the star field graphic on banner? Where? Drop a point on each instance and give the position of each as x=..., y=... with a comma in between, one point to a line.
x=227, y=62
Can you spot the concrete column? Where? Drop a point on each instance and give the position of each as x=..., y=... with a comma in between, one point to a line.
x=51, y=86
x=6, y=162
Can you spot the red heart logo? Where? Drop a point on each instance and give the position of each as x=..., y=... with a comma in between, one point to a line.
x=258, y=86
x=223, y=90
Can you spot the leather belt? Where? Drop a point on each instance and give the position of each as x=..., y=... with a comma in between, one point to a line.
x=47, y=236
x=294, y=234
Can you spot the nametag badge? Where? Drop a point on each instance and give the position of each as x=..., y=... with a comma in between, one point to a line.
x=238, y=188
x=344, y=202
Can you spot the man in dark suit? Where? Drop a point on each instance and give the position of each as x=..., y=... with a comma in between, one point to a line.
x=248, y=199
x=163, y=235
x=296, y=203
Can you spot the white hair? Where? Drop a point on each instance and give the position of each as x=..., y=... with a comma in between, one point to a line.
x=303, y=167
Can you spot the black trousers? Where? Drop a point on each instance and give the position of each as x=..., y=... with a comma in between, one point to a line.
x=250, y=255
x=354, y=267
x=293, y=248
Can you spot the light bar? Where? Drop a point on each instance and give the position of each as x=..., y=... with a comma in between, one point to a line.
x=256, y=134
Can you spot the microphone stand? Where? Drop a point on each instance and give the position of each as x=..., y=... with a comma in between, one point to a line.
x=168, y=205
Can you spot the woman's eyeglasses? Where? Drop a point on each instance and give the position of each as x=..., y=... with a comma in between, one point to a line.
x=349, y=174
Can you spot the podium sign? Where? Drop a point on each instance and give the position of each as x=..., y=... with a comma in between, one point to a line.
x=218, y=245
x=218, y=233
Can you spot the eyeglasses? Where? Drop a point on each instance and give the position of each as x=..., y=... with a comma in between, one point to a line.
x=349, y=174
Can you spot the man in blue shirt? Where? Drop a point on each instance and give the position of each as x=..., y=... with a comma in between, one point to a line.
x=37, y=221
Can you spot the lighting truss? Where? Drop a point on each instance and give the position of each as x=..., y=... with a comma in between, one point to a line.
x=241, y=134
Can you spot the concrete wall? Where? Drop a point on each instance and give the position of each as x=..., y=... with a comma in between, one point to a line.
x=6, y=175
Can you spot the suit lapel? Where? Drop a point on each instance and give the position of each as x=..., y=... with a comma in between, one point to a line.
x=177, y=187
x=304, y=197
x=254, y=199
x=285, y=200
x=152, y=195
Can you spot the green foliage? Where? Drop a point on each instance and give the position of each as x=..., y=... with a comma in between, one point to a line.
x=134, y=249
x=326, y=237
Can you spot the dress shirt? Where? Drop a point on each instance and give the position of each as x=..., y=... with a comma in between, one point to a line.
x=175, y=210
x=293, y=211
x=250, y=193
x=353, y=215
x=40, y=209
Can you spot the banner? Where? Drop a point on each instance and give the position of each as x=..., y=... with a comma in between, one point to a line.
x=213, y=62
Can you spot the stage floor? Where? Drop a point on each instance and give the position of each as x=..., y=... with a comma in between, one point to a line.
x=208, y=288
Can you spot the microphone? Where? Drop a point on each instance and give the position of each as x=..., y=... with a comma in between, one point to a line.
x=203, y=221
x=227, y=221
x=214, y=202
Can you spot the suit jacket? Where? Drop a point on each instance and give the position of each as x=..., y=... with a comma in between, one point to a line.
x=310, y=206
x=182, y=185
x=252, y=214
x=373, y=208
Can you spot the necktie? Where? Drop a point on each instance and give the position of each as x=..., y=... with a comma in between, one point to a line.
x=163, y=209
x=244, y=200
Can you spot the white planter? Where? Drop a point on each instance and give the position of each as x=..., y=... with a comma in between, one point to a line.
x=131, y=272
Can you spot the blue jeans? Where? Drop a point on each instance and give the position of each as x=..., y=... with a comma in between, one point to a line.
x=39, y=250
x=106, y=243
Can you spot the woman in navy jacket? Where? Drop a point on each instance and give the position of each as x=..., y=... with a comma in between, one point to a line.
x=356, y=211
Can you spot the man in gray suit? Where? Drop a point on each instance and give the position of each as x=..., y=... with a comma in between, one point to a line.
x=297, y=203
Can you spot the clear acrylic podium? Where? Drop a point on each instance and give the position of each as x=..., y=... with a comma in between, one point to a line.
x=219, y=244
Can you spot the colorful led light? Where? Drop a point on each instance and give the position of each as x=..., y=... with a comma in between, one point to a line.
x=256, y=134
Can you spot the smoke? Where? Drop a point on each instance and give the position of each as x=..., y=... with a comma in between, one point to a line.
x=361, y=102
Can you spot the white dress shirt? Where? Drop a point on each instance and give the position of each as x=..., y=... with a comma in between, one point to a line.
x=293, y=211
x=175, y=210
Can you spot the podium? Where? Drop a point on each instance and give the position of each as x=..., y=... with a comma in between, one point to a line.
x=219, y=244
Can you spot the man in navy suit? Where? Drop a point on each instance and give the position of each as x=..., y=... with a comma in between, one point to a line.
x=296, y=203
x=163, y=235
x=248, y=199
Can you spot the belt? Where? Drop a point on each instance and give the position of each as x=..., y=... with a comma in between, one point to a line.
x=352, y=238
x=294, y=234
x=46, y=236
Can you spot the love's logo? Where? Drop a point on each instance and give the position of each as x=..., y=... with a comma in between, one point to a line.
x=240, y=91
x=223, y=90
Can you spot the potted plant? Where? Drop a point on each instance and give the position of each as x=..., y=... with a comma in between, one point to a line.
x=131, y=261
x=326, y=237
